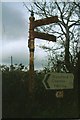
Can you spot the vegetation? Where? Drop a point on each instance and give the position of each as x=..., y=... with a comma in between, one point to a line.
x=17, y=102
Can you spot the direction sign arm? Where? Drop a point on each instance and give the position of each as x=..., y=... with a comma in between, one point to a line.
x=44, y=36
x=45, y=21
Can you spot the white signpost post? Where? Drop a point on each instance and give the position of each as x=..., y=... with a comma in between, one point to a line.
x=58, y=81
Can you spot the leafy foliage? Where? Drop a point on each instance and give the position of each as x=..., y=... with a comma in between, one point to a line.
x=17, y=102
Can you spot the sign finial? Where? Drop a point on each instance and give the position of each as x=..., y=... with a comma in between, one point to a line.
x=32, y=13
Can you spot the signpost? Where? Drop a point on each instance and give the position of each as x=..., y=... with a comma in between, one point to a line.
x=34, y=34
x=58, y=81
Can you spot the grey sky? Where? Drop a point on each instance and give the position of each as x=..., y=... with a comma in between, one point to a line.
x=15, y=27
x=13, y=21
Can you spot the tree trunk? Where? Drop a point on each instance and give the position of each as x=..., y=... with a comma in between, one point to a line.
x=67, y=44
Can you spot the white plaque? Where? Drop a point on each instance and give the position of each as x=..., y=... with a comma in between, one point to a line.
x=59, y=81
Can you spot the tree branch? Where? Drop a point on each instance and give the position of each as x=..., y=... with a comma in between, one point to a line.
x=26, y=7
x=37, y=5
x=60, y=13
x=75, y=23
x=69, y=14
x=77, y=4
x=61, y=28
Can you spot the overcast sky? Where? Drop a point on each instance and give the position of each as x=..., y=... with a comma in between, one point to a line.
x=15, y=27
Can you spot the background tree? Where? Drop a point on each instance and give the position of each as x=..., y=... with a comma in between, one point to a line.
x=66, y=30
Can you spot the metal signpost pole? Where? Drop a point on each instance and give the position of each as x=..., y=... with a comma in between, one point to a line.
x=31, y=49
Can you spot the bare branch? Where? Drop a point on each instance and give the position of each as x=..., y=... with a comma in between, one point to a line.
x=62, y=28
x=77, y=4
x=75, y=23
x=69, y=14
x=38, y=6
x=60, y=13
x=26, y=7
